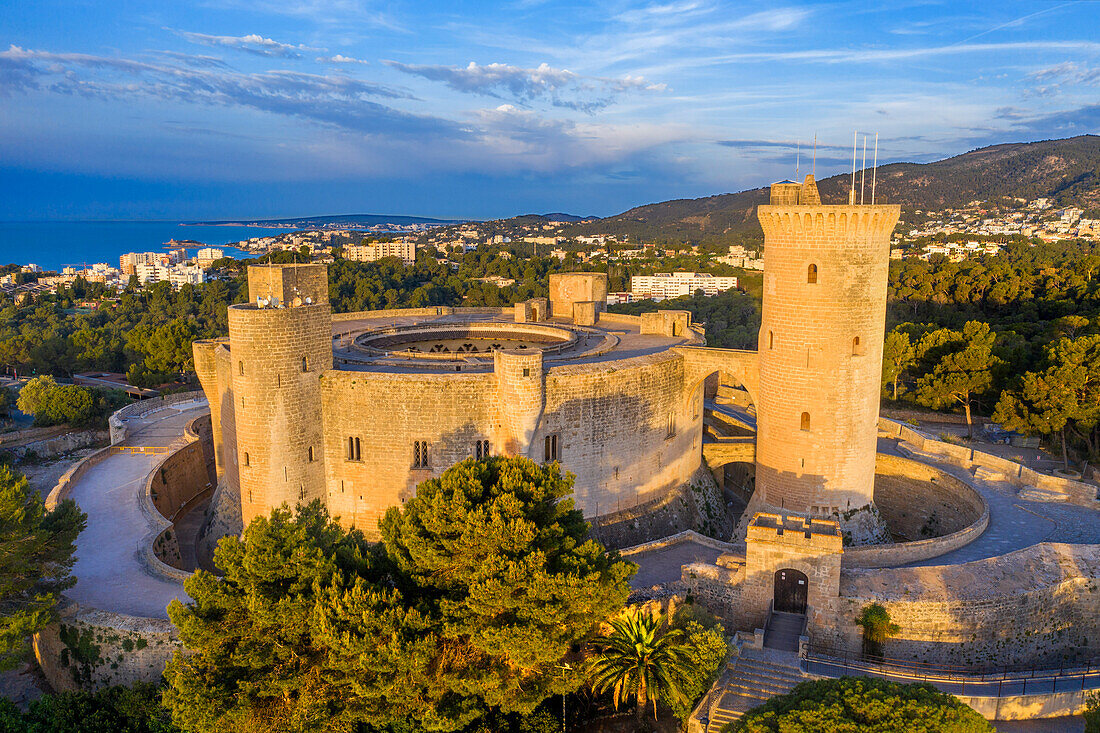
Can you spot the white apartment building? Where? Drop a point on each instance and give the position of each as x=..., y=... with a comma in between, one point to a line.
x=208, y=256
x=664, y=285
x=177, y=275
x=372, y=251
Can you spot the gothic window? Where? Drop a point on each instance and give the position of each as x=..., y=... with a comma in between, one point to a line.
x=481, y=449
x=811, y=274
x=354, y=453
x=806, y=421
x=420, y=454
x=550, y=448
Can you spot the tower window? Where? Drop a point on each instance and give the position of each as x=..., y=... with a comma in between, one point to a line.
x=310, y=454
x=526, y=371
x=771, y=340
x=305, y=364
x=811, y=274
x=857, y=347
x=670, y=426
x=240, y=368
x=481, y=449
x=420, y=454
x=550, y=448
x=806, y=421
x=354, y=453
x=247, y=460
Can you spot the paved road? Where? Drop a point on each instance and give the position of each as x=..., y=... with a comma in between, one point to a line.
x=1014, y=523
x=658, y=567
x=975, y=687
x=109, y=573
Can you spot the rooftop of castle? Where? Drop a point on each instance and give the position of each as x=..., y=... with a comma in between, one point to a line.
x=446, y=340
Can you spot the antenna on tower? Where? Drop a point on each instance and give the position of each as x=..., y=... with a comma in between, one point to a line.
x=874, y=171
x=797, y=158
x=863, y=171
x=814, y=170
x=852, y=188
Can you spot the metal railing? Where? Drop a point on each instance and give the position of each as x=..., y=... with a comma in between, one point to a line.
x=1002, y=682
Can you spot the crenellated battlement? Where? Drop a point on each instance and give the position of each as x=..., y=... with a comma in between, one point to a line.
x=822, y=534
x=830, y=222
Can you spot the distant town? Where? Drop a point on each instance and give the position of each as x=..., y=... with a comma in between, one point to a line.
x=980, y=228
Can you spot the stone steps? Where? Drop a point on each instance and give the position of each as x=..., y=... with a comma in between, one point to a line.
x=783, y=632
x=749, y=682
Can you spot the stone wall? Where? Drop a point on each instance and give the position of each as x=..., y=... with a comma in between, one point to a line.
x=623, y=428
x=1078, y=492
x=1034, y=607
x=88, y=649
x=52, y=446
x=920, y=502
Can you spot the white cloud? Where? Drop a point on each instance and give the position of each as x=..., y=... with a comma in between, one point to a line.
x=251, y=43
x=341, y=59
x=561, y=87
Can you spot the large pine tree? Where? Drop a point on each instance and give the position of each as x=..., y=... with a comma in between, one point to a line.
x=483, y=585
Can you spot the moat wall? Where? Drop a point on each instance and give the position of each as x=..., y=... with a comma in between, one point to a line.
x=88, y=649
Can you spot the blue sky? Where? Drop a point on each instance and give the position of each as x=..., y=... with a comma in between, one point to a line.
x=258, y=108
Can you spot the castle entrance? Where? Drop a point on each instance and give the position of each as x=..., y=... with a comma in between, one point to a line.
x=790, y=591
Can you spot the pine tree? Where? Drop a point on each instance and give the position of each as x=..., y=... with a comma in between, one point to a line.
x=36, y=558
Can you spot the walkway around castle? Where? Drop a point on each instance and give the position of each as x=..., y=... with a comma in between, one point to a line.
x=109, y=569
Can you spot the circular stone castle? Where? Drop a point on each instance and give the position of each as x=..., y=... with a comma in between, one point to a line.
x=358, y=409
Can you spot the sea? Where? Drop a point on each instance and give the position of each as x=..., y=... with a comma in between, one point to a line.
x=53, y=245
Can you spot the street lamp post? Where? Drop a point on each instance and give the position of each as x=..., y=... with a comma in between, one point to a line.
x=564, y=668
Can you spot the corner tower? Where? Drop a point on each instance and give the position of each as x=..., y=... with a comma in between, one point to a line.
x=822, y=326
x=280, y=345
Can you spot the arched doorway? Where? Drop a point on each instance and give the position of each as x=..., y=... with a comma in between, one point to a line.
x=790, y=591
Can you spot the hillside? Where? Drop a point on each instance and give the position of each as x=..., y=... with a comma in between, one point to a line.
x=1066, y=171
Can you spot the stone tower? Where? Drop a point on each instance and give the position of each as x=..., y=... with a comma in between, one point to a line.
x=820, y=352
x=280, y=345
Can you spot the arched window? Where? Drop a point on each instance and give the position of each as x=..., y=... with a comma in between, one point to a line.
x=240, y=367
x=246, y=460
x=811, y=274
x=857, y=347
x=806, y=421
x=771, y=340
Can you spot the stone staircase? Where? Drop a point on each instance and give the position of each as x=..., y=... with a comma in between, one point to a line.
x=783, y=631
x=750, y=680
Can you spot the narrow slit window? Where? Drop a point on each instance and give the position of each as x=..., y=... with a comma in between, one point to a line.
x=240, y=368
x=550, y=448
x=771, y=340
x=670, y=426
x=305, y=364
x=811, y=274
x=806, y=421
x=247, y=460
x=310, y=454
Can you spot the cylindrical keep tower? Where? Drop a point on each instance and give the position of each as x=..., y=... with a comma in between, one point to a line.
x=280, y=345
x=822, y=327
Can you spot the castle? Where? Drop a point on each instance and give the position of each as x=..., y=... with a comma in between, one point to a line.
x=357, y=409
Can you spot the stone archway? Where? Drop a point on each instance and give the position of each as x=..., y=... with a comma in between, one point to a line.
x=791, y=591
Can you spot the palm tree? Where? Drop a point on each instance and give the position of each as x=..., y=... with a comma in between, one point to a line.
x=639, y=659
